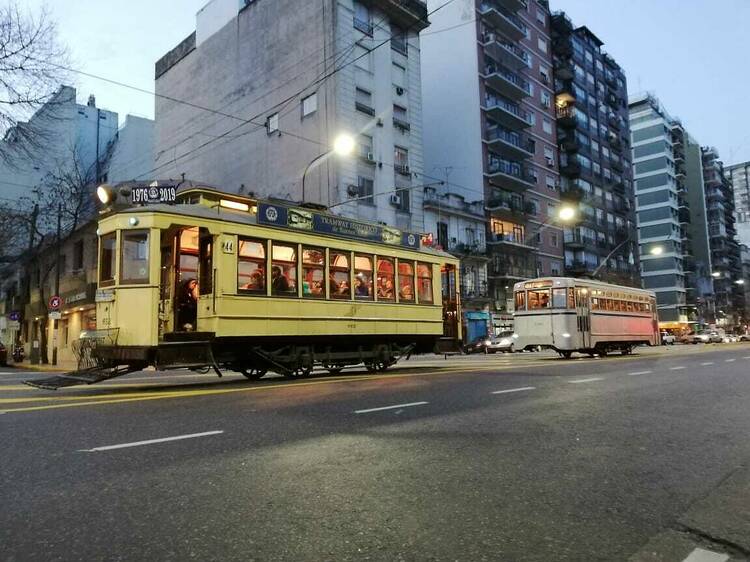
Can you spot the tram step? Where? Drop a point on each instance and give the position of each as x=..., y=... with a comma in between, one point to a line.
x=77, y=377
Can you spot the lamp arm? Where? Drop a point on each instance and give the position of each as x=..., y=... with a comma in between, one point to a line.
x=604, y=261
x=307, y=169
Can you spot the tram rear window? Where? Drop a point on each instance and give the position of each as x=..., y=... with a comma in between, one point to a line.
x=538, y=299
x=134, y=267
x=107, y=259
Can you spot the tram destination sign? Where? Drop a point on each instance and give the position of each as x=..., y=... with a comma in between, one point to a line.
x=304, y=219
x=150, y=194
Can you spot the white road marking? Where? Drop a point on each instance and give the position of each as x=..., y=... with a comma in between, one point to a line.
x=514, y=390
x=680, y=368
x=150, y=442
x=707, y=363
x=640, y=373
x=746, y=357
x=390, y=407
x=729, y=360
x=586, y=380
x=701, y=555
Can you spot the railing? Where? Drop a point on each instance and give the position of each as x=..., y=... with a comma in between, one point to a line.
x=508, y=75
x=510, y=137
x=447, y=203
x=493, y=101
x=488, y=5
x=497, y=166
x=507, y=237
x=365, y=27
x=522, y=272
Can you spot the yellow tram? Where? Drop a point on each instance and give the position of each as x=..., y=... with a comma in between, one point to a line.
x=211, y=279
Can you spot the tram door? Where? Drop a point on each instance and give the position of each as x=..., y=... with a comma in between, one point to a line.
x=583, y=318
x=451, y=318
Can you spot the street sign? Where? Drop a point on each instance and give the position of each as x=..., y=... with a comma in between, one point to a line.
x=15, y=316
x=54, y=302
x=55, y=315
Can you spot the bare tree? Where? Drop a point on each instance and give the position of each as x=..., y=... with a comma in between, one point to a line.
x=32, y=65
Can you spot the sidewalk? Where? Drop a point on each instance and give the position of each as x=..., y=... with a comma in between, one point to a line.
x=27, y=366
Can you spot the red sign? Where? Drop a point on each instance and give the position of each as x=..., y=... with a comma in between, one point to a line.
x=54, y=302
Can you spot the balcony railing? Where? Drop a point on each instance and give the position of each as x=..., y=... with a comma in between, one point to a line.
x=515, y=139
x=513, y=109
x=510, y=169
x=503, y=19
x=492, y=69
x=501, y=238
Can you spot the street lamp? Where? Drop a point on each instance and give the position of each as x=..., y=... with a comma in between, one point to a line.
x=656, y=251
x=343, y=145
x=740, y=281
x=716, y=274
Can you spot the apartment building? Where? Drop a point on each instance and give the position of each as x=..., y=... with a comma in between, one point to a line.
x=489, y=133
x=739, y=176
x=725, y=251
x=594, y=136
x=287, y=78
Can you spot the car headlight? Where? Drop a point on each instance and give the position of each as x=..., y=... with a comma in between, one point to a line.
x=505, y=341
x=487, y=342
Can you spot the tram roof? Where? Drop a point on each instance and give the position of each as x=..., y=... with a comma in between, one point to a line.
x=571, y=281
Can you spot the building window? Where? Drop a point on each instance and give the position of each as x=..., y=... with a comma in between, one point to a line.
x=78, y=256
x=365, y=190
x=399, y=76
x=550, y=182
x=401, y=160
x=362, y=19
x=400, y=119
x=540, y=16
x=542, y=44
x=362, y=58
x=533, y=207
x=309, y=105
x=398, y=40
x=272, y=123
x=549, y=156
x=442, y=235
x=365, y=148
x=544, y=72
x=363, y=101
x=554, y=239
x=547, y=126
x=546, y=100
x=404, y=205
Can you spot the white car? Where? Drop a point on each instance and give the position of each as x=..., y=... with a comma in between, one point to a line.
x=668, y=339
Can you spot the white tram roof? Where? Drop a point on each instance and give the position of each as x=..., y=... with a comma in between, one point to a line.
x=544, y=282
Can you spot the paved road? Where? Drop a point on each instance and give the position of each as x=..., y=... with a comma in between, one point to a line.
x=511, y=457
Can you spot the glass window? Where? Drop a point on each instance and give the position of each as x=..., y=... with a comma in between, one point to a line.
x=538, y=299
x=313, y=272
x=134, y=268
x=362, y=276
x=107, y=259
x=272, y=123
x=520, y=300
x=338, y=276
x=559, y=298
x=251, y=266
x=424, y=282
x=284, y=270
x=386, y=280
x=309, y=105
x=405, y=281
x=571, y=298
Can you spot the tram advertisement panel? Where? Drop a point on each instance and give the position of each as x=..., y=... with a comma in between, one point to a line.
x=303, y=219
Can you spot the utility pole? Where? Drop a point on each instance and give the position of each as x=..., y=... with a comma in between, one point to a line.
x=56, y=325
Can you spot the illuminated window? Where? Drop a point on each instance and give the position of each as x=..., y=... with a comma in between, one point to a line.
x=405, y=281
x=538, y=299
x=251, y=266
x=424, y=283
x=338, y=277
x=386, y=280
x=313, y=272
x=284, y=270
x=520, y=300
x=362, y=277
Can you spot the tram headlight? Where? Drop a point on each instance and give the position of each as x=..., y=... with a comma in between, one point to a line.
x=106, y=194
x=566, y=335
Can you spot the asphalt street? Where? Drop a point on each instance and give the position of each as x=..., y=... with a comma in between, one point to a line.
x=509, y=457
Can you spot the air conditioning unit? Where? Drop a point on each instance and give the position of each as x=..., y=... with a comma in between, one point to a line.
x=395, y=200
x=489, y=37
x=399, y=90
x=352, y=191
x=550, y=162
x=370, y=157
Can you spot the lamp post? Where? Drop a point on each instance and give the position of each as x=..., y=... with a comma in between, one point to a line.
x=342, y=146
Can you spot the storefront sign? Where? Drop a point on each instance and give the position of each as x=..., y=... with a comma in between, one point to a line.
x=76, y=298
x=304, y=219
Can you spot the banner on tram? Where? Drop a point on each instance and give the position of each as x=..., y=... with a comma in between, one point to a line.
x=305, y=219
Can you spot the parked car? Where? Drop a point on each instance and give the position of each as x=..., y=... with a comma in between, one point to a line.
x=492, y=344
x=668, y=339
x=703, y=337
x=730, y=338
x=3, y=355
x=745, y=337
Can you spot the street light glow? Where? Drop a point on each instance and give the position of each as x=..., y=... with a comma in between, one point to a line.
x=567, y=214
x=656, y=251
x=343, y=145
x=716, y=274
x=104, y=193
x=740, y=281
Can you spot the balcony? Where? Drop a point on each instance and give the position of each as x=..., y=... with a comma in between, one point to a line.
x=613, y=100
x=364, y=108
x=505, y=52
x=503, y=20
x=508, y=209
x=572, y=193
x=576, y=240
x=506, y=113
x=566, y=117
x=577, y=268
x=511, y=145
x=571, y=168
x=464, y=250
x=614, y=121
x=570, y=144
x=500, y=238
x=561, y=24
x=506, y=82
x=616, y=165
x=609, y=61
x=512, y=272
x=564, y=71
x=509, y=175
x=452, y=204
x=407, y=14
x=563, y=46
x=615, y=142
x=683, y=215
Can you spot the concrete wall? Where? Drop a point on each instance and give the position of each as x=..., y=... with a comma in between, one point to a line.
x=133, y=153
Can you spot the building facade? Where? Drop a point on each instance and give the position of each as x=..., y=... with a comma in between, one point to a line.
x=490, y=135
x=284, y=78
x=594, y=138
x=739, y=176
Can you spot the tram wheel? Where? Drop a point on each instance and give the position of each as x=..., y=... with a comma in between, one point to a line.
x=567, y=354
x=253, y=374
x=333, y=369
x=602, y=353
x=376, y=366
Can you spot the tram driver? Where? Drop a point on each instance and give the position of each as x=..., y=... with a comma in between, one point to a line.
x=187, y=311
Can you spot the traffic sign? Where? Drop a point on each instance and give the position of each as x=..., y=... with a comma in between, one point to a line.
x=14, y=316
x=54, y=302
x=55, y=315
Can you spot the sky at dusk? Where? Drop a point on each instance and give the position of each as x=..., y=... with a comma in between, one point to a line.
x=693, y=54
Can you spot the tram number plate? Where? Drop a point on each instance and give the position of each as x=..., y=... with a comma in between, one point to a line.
x=228, y=246
x=153, y=194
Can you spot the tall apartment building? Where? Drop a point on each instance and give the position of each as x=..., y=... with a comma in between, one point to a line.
x=593, y=134
x=289, y=76
x=489, y=131
x=739, y=176
x=725, y=251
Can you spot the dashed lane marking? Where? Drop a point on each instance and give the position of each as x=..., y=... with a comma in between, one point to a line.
x=150, y=442
x=729, y=360
x=702, y=555
x=509, y=390
x=707, y=363
x=639, y=373
x=679, y=368
x=592, y=379
x=394, y=407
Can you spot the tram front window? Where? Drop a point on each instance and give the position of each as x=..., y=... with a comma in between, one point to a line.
x=135, y=264
x=107, y=260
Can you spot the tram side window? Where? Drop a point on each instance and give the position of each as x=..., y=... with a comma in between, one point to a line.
x=107, y=259
x=405, y=281
x=338, y=275
x=284, y=270
x=559, y=298
x=134, y=257
x=424, y=283
x=362, y=276
x=251, y=266
x=521, y=300
x=386, y=280
x=313, y=272
x=538, y=299
x=571, y=298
